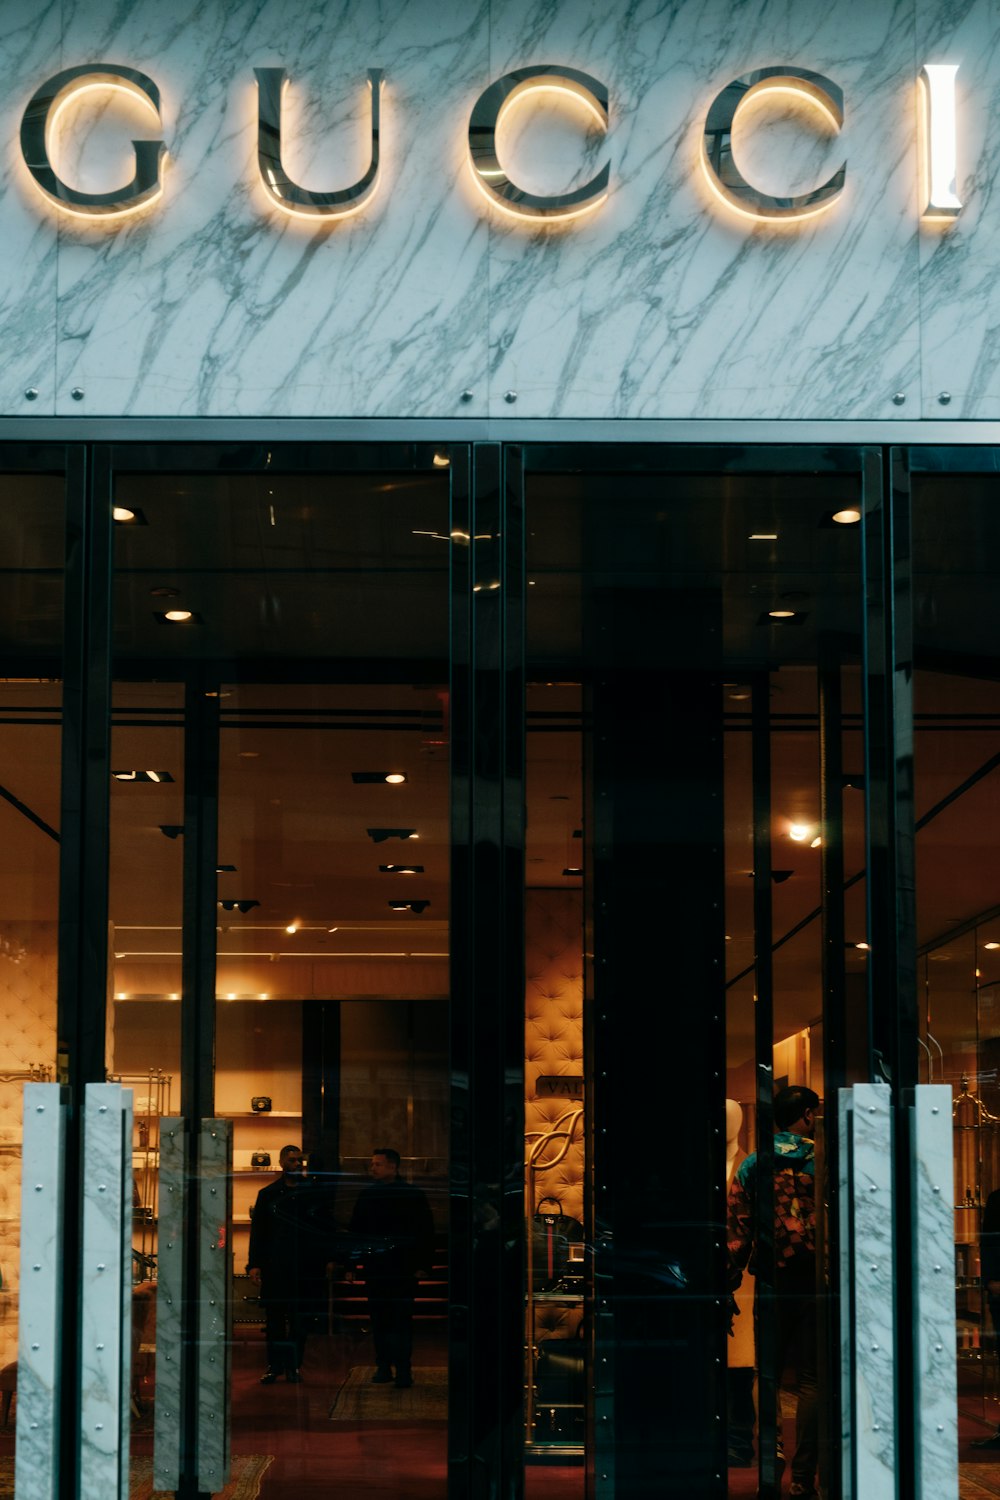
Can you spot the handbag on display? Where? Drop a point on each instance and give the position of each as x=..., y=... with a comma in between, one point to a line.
x=552, y=1233
x=260, y=1159
x=260, y=1104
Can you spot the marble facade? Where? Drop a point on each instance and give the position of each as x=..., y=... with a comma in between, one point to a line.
x=432, y=303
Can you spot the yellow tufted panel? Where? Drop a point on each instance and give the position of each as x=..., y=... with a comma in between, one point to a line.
x=27, y=1041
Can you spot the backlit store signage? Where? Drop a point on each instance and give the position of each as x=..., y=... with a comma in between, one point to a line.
x=818, y=93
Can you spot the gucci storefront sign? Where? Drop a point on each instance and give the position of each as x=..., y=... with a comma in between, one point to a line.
x=818, y=93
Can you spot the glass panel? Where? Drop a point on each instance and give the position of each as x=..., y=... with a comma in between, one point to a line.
x=956, y=528
x=31, y=630
x=662, y=608
x=311, y=611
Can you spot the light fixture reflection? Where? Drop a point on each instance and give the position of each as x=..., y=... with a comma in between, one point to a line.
x=122, y=514
x=178, y=616
x=848, y=517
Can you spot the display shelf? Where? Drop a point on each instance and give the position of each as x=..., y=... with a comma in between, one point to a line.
x=261, y=1114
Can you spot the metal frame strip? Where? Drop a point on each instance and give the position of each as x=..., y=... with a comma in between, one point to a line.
x=935, y=1384
x=214, y=1303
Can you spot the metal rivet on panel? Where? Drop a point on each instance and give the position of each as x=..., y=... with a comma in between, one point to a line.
x=871, y=1109
x=876, y=1427
x=34, y=1426
x=77, y=393
x=938, y=1347
x=31, y=394
x=874, y=1348
x=873, y=1188
x=100, y=1346
x=101, y=1266
x=510, y=397
x=103, y=1109
x=35, y=1347
x=937, y=1190
x=102, y=1187
x=944, y=399
x=940, y=1427
x=98, y=1426
x=874, y=1268
x=39, y=1109
x=935, y=1110
x=36, y=1267
x=898, y=398
x=38, y=1187
x=466, y=396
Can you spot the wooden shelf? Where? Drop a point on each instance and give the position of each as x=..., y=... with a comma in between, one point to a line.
x=261, y=1114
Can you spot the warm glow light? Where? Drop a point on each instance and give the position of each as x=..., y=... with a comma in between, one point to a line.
x=799, y=832
x=937, y=83
x=846, y=517
x=528, y=218
x=122, y=513
x=440, y=460
x=125, y=775
x=153, y=775
x=335, y=215
x=414, y=835
x=781, y=614
x=84, y=87
x=178, y=616
x=395, y=777
x=991, y=946
x=865, y=947
x=263, y=997
x=292, y=928
x=759, y=218
x=763, y=536
x=816, y=842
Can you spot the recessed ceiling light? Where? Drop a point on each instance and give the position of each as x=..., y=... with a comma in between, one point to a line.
x=440, y=460
x=414, y=906
x=781, y=614
x=572, y=870
x=739, y=697
x=816, y=842
x=292, y=928
x=144, y=776
x=865, y=947
x=763, y=536
x=127, y=515
x=379, y=835
x=401, y=869
x=362, y=778
x=179, y=616
x=847, y=517
x=991, y=946
x=799, y=832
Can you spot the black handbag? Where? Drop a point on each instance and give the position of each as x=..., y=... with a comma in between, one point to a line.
x=260, y=1159
x=552, y=1233
x=260, y=1104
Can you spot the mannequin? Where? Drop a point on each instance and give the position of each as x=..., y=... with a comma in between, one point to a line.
x=742, y=1353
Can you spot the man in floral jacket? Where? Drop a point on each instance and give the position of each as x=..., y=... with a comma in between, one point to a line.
x=795, y=1261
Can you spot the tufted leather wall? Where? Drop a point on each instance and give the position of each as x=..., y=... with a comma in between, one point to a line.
x=27, y=1042
x=553, y=1046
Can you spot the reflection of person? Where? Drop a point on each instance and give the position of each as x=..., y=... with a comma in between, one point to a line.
x=990, y=1270
x=275, y=1262
x=741, y=1413
x=392, y=1221
x=795, y=1261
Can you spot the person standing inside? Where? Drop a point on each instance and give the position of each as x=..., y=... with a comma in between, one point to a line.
x=795, y=1262
x=395, y=1233
x=275, y=1264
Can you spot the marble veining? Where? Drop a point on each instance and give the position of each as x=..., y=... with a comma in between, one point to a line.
x=169, y=1286
x=39, y=1340
x=214, y=1304
x=875, y=1376
x=936, y=1394
x=105, y=1321
x=663, y=303
x=845, y=1283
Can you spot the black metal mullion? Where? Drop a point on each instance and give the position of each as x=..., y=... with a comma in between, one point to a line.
x=198, y=965
x=83, y=873
x=765, y=1268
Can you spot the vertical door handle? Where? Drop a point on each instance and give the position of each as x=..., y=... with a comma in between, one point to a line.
x=869, y=1331
x=936, y=1383
x=106, y=1292
x=214, y=1302
x=39, y=1345
x=169, y=1302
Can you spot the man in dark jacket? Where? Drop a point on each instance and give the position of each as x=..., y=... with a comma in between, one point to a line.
x=276, y=1262
x=395, y=1233
x=795, y=1260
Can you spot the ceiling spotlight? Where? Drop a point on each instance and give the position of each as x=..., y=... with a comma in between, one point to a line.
x=401, y=869
x=864, y=947
x=414, y=906
x=364, y=778
x=763, y=536
x=781, y=614
x=379, y=835
x=848, y=517
x=991, y=946
x=440, y=460
x=740, y=697
x=816, y=842
x=177, y=616
x=127, y=515
x=292, y=928
x=243, y=905
x=144, y=776
x=799, y=832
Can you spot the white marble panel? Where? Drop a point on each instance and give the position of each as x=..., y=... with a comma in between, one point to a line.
x=875, y=1375
x=960, y=260
x=936, y=1393
x=169, y=1292
x=214, y=302
x=39, y=1333
x=105, y=1319
x=845, y=1274
x=665, y=303
x=215, y=1298
x=29, y=53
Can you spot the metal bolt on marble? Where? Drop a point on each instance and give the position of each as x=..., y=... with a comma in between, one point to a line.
x=31, y=394
x=77, y=394
x=944, y=399
x=898, y=398
x=466, y=396
x=510, y=397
